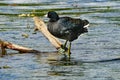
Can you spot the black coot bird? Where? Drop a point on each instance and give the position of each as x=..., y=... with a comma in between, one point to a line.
x=66, y=28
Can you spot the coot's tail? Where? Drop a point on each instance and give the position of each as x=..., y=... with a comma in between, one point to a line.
x=86, y=23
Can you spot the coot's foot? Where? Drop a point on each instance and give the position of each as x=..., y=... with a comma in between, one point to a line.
x=64, y=51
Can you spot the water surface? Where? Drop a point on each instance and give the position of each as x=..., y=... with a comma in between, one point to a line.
x=92, y=53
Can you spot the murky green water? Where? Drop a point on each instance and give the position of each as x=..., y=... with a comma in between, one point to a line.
x=89, y=52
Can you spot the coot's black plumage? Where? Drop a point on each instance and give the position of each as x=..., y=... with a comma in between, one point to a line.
x=65, y=27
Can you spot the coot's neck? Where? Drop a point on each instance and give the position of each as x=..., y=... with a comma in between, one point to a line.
x=54, y=19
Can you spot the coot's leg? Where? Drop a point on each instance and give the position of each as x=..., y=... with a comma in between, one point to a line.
x=64, y=46
x=69, y=50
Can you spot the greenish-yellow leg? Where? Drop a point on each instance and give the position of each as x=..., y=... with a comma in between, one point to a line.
x=64, y=46
x=69, y=50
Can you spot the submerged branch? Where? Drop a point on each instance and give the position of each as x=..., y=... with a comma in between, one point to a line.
x=7, y=45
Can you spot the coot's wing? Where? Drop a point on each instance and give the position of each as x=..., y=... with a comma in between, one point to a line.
x=67, y=24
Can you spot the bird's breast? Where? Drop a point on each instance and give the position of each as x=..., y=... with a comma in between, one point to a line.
x=54, y=28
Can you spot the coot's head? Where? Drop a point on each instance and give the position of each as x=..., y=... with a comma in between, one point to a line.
x=86, y=25
x=53, y=16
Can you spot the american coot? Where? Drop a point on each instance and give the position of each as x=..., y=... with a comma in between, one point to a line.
x=66, y=28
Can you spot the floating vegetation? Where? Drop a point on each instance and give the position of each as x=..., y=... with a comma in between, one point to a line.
x=26, y=15
x=108, y=7
x=5, y=67
x=25, y=35
x=3, y=30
